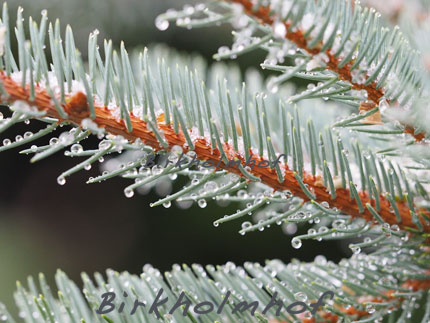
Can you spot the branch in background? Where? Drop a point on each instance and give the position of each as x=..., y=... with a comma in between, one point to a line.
x=374, y=93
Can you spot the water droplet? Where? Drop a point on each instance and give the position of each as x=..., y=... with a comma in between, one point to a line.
x=323, y=229
x=296, y=243
x=246, y=225
x=242, y=194
x=261, y=226
x=202, y=203
x=279, y=30
x=61, y=180
x=370, y=309
x=176, y=149
x=289, y=228
x=104, y=144
x=76, y=148
x=28, y=134
x=161, y=24
x=6, y=142
x=355, y=249
x=223, y=50
x=167, y=204
x=173, y=176
x=320, y=260
x=272, y=85
x=345, y=152
x=191, y=154
x=195, y=181
x=128, y=192
x=300, y=296
x=87, y=167
x=210, y=186
x=383, y=106
x=157, y=170
x=339, y=224
x=325, y=204
x=53, y=141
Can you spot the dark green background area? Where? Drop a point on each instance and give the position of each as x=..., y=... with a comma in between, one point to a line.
x=79, y=227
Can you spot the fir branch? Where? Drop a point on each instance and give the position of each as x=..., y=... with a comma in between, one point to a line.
x=228, y=287
x=374, y=92
x=77, y=110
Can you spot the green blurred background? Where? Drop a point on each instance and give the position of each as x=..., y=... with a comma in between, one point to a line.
x=79, y=227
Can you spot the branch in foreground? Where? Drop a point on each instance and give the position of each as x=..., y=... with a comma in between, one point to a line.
x=367, y=294
x=77, y=110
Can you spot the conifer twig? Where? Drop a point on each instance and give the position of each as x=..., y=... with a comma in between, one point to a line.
x=375, y=94
x=78, y=110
